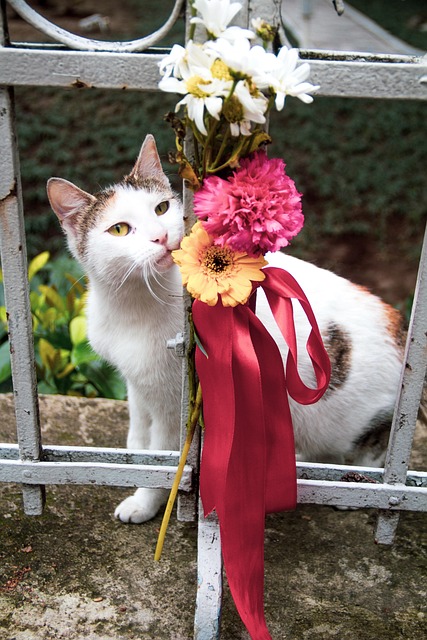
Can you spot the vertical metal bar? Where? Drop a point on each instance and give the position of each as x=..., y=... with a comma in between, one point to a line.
x=207, y=618
x=14, y=265
x=188, y=504
x=411, y=387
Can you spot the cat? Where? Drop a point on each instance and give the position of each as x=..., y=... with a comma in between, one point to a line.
x=123, y=238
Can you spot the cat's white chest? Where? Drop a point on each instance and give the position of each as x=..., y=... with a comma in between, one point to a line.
x=134, y=339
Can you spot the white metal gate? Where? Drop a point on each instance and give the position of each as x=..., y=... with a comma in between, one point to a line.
x=82, y=62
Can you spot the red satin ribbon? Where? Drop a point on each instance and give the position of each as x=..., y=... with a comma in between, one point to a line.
x=248, y=463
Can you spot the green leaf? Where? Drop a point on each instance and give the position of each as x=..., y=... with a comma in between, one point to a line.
x=69, y=368
x=82, y=353
x=48, y=318
x=105, y=379
x=36, y=301
x=257, y=139
x=78, y=330
x=199, y=344
x=37, y=263
x=44, y=387
x=5, y=369
x=52, y=297
x=47, y=353
x=3, y=316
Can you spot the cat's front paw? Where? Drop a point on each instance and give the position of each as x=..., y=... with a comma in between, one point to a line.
x=142, y=506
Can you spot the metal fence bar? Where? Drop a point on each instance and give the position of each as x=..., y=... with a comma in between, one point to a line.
x=312, y=476
x=375, y=77
x=188, y=506
x=116, y=475
x=411, y=387
x=62, y=453
x=207, y=618
x=362, y=496
x=14, y=266
x=89, y=44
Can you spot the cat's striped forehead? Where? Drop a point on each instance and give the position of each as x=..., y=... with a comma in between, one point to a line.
x=107, y=200
x=89, y=217
x=150, y=185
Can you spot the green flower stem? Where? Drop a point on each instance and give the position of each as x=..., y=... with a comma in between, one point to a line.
x=207, y=148
x=183, y=459
x=192, y=29
x=221, y=150
x=234, y=157
x=232, y=90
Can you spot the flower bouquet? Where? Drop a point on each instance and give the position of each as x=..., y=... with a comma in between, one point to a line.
x=246, y=206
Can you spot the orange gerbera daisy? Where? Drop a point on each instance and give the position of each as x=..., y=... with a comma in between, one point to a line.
x=209, y=271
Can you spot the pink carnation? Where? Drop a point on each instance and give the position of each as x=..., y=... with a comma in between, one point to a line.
x=257, y=209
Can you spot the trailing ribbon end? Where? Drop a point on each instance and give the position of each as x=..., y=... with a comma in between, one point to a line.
x=248, y=421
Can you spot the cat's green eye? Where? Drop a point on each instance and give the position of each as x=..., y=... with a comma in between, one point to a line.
x=162, y=208
x=119, y=229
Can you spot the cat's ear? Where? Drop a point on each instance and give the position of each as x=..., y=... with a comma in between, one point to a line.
x=148, y=164
x=67, y=200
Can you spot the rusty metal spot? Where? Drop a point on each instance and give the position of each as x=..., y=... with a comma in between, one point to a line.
x=79, y=84
x=13, y=192
x=353, y=476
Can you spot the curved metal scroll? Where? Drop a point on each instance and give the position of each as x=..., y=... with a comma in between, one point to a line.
x=87, y=44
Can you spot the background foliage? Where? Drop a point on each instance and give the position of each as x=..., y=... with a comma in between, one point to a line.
x=65, y=362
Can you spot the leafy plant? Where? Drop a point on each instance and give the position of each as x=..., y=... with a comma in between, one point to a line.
x=65, y=361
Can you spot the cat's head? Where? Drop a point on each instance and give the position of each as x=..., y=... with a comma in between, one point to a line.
x=126, y=231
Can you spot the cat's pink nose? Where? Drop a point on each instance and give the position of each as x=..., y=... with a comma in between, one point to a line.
x=161, y=239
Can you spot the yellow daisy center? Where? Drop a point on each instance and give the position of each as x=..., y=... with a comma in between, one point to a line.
x=193, y=87
x=220, y=70
x=217, y=261
x=233, y=110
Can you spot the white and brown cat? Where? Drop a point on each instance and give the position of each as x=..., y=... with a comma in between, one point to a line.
x=123, y=237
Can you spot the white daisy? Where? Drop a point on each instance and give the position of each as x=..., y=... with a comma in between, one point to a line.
x=173, y=63
x=242, y=108
x=244, y=61
x=200, y=93
x=182, y=61
x=288, y=79
x=254, y=106
x=216, y=15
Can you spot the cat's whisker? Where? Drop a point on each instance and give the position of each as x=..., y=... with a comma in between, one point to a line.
x=149, y=273
x=76, y=282
x=158, y=276
x=127, y=275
